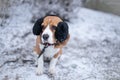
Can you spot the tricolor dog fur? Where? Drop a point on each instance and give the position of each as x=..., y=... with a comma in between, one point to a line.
x=54, y=32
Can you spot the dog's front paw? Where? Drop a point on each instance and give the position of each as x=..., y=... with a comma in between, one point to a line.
x=52, y=71
x=39, y=71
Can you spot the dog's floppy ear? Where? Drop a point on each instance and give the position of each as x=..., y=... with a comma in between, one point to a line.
x=61, y=32
x=37, y=28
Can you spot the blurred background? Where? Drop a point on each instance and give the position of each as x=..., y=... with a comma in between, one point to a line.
x=93, y=52
x=60, y=7
x=110, y=6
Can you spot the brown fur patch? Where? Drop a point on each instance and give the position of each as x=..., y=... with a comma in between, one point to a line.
x=37, y=48
x=58, y=53
x=60, y=45
x=51, y=20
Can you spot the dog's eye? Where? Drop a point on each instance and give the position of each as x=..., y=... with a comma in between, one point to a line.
x=53, y=27
x=43, y=27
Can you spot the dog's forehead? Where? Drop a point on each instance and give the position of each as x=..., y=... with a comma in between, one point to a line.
x=51, y=20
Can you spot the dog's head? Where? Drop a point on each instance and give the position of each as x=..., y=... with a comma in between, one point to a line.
x=51, y=29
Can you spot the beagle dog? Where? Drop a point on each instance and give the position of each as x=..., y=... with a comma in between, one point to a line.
x=53, y=32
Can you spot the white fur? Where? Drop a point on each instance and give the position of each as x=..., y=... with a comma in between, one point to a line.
x=49, y=32
x=53, y=62
x=49, y=53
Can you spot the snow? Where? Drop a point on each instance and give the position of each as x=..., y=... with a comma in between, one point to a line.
x=93, y=52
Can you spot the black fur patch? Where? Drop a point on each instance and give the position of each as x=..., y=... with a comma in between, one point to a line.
x=61, y=31
x=37, y=28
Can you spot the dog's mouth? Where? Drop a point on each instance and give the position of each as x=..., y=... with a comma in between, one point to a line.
x=48, y=44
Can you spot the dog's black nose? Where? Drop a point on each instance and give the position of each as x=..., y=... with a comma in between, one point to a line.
x=45, y=36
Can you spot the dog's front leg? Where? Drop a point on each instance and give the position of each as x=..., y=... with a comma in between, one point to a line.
x=40, y=65
x=52, y=65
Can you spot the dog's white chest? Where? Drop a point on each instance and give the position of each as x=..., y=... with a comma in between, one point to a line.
x=50, y=51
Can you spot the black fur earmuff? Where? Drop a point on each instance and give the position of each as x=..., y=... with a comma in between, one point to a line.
x=37, y=28
x=61, y=32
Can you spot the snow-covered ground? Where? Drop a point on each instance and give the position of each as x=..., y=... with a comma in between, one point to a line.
x=93, y=52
